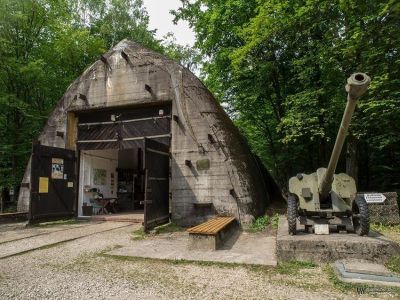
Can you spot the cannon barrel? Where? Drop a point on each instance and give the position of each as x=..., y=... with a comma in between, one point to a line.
x=356, y=86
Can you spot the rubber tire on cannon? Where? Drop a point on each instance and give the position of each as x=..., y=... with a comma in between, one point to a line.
x=360, y=216
x=292, y=214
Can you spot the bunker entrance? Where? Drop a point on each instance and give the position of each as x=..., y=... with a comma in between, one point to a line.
x=124, y=164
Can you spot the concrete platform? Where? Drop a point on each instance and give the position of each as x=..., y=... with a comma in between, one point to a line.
x=332, y=247
x=132, y=217
x=13, y=217
x=243, y=248
x=365, y=272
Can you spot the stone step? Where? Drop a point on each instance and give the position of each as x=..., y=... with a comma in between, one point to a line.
x=329, y=248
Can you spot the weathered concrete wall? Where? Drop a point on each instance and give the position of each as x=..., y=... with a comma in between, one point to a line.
x=329, y=248
x=232, y=185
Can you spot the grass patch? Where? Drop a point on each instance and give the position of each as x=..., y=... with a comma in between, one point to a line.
x=259, y=224
x=292, y=267
x=275, y=221
x=338, y=284
x=60, y=222
x=394, y=264
x=139, y=234
x=262, y=223
x=382, y=228
x=390, y=231
x=168, y=228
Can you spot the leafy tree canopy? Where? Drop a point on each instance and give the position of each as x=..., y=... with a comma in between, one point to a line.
x=280, y=68
x=44, y=46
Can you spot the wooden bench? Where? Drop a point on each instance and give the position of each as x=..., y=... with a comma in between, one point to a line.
x=212, y=234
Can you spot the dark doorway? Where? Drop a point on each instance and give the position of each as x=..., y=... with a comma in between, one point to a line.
x=53, y=183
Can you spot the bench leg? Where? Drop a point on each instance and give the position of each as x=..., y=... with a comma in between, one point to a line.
x=202, y=242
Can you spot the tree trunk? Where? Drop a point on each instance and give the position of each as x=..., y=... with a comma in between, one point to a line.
x=322, y=155
x=1, y=201
x=352, y=157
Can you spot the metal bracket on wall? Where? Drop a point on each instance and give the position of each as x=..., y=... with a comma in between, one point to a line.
x=211, y=138
x=60, y=134
x=125, y=56
x=148, y=88
x=105, y=61
x=233, y=193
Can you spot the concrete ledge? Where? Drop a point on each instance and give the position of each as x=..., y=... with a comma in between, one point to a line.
x=365, y=273
x=13, y=217
x=241, y=248
x=332, y=247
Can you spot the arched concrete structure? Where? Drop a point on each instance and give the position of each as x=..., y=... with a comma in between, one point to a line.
x=129, y=74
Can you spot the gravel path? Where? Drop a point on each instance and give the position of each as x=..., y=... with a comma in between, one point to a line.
x=80, y=269
x=17, y=231
x=54, y=237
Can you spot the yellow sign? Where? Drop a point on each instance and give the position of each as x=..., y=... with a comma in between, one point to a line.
x=70, y=184
x=43, y=185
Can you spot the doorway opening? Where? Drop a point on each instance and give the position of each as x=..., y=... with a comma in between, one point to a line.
x=112, y=183
x=124, y=164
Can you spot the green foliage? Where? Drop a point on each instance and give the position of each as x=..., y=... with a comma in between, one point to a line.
x=394, y=264
x=139, y=234
x=44, y=46
x=275, y=221
x=382, y=228
x=390, y=231
x=260, y=223
x=187, y=56
x=61, y=222
x=338, y=284
x=279, y=68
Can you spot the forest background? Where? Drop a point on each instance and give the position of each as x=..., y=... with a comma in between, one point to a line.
x=278, y=67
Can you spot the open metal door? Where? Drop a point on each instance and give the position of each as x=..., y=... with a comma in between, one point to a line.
x=156, y=200
x=53, y=183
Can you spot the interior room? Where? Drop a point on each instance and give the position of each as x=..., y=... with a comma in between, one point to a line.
x=111, y=182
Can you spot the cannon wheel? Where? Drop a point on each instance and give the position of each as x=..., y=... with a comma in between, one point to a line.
x=292, y=214
x=360, y=216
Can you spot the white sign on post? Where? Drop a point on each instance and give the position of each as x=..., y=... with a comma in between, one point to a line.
x=374, y=198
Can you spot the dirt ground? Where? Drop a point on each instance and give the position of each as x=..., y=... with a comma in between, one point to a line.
x=82, y=269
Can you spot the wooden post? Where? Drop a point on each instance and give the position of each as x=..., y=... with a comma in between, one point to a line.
x=72, y=131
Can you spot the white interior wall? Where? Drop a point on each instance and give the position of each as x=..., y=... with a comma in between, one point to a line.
x=97, y=159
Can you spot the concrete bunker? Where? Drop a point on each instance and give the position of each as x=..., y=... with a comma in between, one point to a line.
x=137, y=110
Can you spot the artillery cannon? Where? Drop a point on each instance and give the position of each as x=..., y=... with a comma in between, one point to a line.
x=323, y=198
